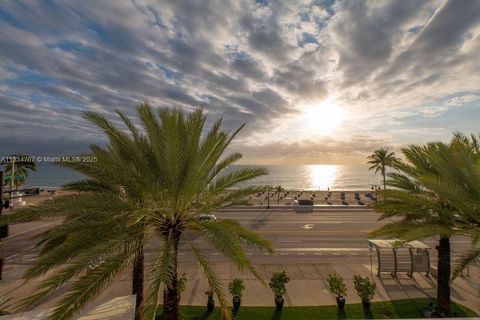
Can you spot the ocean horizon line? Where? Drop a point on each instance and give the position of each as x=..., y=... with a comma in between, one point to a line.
x=290, y=177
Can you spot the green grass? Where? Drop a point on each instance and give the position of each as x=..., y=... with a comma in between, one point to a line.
x=409, y=308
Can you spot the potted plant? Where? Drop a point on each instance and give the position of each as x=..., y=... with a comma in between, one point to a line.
x=210, y=301
x=277, y=284
x=338, y=288
x=236, y=288
x=365, y=289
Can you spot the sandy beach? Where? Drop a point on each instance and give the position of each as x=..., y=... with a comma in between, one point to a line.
x=286, y=198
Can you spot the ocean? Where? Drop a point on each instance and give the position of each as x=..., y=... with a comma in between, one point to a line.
x=293, y=177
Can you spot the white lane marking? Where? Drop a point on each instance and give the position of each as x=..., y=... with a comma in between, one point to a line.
x=451, y=241
x=266, y=254
x=29, y=230
x=308, y=226
x=301, y=253
x=283, y=254
x=181, y=254
x=336, y=253
x=288, y=241
x=353, y=254
x=337, y=222
x=318, y=254
x=215, y=253
x=322, y=249
x=249, y=254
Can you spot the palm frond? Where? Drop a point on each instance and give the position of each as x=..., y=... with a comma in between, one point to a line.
x=161, y=272
x=470, y=257
x=213, y=282
x=90, y=285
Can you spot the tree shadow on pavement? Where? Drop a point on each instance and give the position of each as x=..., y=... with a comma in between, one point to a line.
x=303, y=209
x=261, y=220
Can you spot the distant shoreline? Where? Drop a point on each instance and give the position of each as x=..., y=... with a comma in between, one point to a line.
x=287, y=198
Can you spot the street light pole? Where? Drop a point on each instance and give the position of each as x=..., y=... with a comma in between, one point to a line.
x=12, y=179
x=1, y=227
x=268, y=196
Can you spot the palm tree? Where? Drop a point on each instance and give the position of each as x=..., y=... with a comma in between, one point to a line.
x=427, y=195
x=267, y=189
x=278, y=189
x=145, y=185
x=381, y=159
x=22, y=165
x=463, y=186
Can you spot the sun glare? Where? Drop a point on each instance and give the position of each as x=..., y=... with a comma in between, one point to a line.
x=324, y=117
x=322, y=176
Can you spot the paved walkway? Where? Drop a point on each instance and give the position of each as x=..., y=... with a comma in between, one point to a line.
x=306, y=288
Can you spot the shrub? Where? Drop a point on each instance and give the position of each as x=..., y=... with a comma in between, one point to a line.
x=336, y=285
x=277, y=283
x=236, y=287
x=365, y=287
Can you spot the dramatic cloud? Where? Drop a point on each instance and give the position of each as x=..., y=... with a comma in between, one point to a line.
x=400, y=71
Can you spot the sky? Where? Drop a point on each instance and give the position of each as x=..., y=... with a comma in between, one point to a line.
x=316, y=82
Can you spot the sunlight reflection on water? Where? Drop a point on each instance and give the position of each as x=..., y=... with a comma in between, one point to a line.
x=322, y=176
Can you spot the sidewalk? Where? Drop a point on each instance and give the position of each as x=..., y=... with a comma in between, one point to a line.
x=307, y=286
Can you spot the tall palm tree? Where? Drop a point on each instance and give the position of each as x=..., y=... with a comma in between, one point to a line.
x=380, y=160
x=463, y=190
x=22, y=165
x=278, y=189
x=151, y=184
x=425, y=194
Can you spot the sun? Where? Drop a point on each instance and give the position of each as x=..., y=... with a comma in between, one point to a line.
x=324, y=117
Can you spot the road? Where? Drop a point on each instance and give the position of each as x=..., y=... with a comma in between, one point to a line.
x=317, y=235
x=308, y=246
x=301, y=236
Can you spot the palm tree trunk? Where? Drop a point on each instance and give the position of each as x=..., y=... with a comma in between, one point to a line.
x=443, y=281
x=384, y=181
x=384, y=173
x=171, y=297
x=137, y=281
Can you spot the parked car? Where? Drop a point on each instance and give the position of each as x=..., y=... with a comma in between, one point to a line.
x=206, y=217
